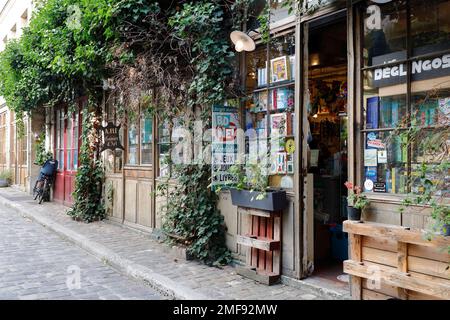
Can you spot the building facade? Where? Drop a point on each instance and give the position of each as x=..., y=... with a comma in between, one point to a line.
x=17, y=150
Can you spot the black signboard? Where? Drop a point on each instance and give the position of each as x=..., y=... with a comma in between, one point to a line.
x=421, y=69
x=379, y=187
x=111, y=138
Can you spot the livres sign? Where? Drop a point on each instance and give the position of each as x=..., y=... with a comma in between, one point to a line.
x=111, y=137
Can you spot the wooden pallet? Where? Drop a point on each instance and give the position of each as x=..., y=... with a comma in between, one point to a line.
x=393, y=262
x=263, y=242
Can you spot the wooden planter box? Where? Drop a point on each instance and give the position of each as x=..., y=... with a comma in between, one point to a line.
x=273, y=200
x=394, y=262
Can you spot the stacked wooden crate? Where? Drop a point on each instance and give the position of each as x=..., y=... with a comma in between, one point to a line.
x=394, y=262
x=263, y=242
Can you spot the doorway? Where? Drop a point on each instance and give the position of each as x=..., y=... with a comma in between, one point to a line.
x=325, y=106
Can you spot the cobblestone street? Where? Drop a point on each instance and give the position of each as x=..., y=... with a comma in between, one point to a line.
x=37, y=264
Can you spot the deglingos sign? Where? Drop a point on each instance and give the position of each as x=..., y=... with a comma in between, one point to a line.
x=420, y=70
x=426, y=68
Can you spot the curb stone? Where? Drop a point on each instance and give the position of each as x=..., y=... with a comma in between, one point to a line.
x=139, y=272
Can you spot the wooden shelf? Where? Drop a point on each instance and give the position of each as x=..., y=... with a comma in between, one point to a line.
x=258, y=242
x=280, y=84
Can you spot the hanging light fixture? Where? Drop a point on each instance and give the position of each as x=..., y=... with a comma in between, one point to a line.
x=242, y=41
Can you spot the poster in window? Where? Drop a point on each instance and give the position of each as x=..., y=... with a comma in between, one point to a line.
x=225, y=122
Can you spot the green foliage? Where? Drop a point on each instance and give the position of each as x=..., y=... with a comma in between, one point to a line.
x=191, y=217
x=6, y=175
x=41, y=154
x=87, y=195
x=199, y=28
x=249, y=177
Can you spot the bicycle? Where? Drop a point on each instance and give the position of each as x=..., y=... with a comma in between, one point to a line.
x=41, y=190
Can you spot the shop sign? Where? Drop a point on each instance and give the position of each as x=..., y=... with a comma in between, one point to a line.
x=111, y=137
x=225, y=122
x=420, y=69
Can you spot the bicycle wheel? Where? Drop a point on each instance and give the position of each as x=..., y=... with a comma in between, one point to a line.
x=43, y=192
x=36, y=190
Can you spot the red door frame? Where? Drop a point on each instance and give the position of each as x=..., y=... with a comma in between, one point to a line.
x=65, y=178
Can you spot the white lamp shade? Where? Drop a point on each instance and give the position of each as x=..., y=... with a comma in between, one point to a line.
x=381, y=1
x=242, y=42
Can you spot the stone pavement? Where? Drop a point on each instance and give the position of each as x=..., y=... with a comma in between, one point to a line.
x=143, y=258
x=37, y=264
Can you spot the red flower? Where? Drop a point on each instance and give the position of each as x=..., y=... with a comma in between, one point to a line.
x=349, y=185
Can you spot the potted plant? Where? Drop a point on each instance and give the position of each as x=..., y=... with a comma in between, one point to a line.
x=5, y=178
x=356, y=200
x=251, y=189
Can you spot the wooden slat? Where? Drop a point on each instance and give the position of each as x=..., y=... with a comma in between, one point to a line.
x=396, y=233
x=262, y=236
x=248, y=250
x=373, y=295
x=429, y=267
x=255, y=227
x=277, y=237
x=414, y=295
x=429, y=253
x=431, y=287
x=380, y=243
x=355, y=255
x=261, y=243
x=379, y=256
x=254, y=212
x=384, y=288
x=269, y=256
x=402, y=265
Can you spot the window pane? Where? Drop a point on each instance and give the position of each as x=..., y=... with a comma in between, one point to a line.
x=384, y=31
x=133, y=137
x=430, y=25
x=164, y=149
x=146, y=141
x=384, y=103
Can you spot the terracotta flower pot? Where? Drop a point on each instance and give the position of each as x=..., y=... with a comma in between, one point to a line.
x=354, y=214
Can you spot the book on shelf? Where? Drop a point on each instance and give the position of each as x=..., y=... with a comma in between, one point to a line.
x=261, y=99
x=444, y=111
x=386, y=113
x=372, y=113
x=279, y=69
x=292, y=66
x=262, y=76
x=279, y=163
x=282, y=98
x=278, y=124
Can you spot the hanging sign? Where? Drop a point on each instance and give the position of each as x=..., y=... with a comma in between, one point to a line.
x=111, y=137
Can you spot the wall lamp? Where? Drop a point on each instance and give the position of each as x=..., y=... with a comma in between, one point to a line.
x=242, y=41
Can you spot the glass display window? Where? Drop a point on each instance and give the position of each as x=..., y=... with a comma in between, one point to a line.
x=269, y=109
x=406, y=96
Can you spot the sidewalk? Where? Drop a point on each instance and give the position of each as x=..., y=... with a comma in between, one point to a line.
x=137, y=255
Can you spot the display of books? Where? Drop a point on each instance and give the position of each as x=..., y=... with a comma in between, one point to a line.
x=292, y=66
x=261, y=99
x=282, y=98
x=372, y=112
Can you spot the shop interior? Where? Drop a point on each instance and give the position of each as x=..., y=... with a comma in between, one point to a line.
x=326, y=106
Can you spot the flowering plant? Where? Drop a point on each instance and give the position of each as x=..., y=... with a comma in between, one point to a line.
x=355, y=197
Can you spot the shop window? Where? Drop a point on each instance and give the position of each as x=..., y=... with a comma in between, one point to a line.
x=140, y=141
x=60, y=138
x=410, y=91
x=269, y=109
x=164, y=147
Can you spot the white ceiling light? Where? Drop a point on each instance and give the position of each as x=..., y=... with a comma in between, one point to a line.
x=242, y=41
